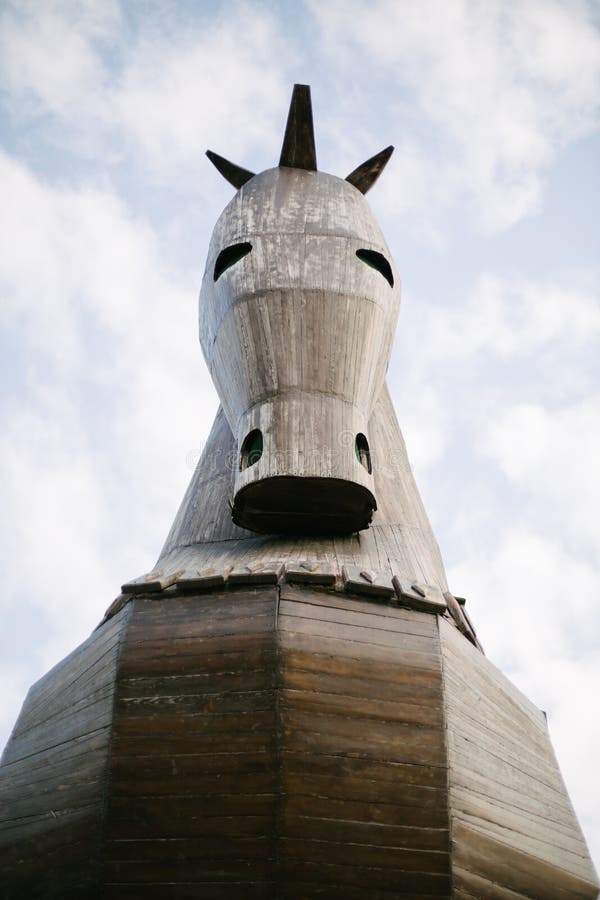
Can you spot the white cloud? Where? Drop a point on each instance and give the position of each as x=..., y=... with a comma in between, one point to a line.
x=218, y=86
x=49, y=54
x=551, y=456
x=173, y=94
x=503, y=86
x=546, y=331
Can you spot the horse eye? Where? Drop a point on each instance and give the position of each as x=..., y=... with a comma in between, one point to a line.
x=229, y=256
x=379, y=262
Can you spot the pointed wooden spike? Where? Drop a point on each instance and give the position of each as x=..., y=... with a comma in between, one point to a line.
x=235, y=175
x=298, y=150
x=365, y=176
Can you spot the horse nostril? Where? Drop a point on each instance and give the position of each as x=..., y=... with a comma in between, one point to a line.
x=363, y=454
x=252, y=449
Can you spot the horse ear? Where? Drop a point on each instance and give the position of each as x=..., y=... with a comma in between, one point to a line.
x=235, y=175
x=298, y=150
x=365, y=176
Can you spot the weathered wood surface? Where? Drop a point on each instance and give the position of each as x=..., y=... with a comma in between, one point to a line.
x=297, y=335
x=279, y=742
x=193, y=769
x=53, y=771
x=400, y=541
x=363, y=760
x=514, y=831
x=273, y=746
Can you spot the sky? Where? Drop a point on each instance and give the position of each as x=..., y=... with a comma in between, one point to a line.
x=489, y=206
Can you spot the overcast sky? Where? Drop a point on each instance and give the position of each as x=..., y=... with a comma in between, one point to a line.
x=490, y=207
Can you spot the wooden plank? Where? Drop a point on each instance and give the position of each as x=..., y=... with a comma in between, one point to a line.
x=310, y=806
x=193, y=785
x=402, y=657
x=367, y=708
x=196, y=731
x=173, y=657
x=540, y=849
x=203, y=607
x=57, y=717
x=401, y=882
x=379, y=637
x=93, y=740
x=466, y=701
x=197, y=683
x=188, y=708
x=471, y=887
x=62, y=731
x=256, y=737
x=206, y=847
x=153, y=823
x=367, y=855
x=499, y=811
x=34, y=779
x=177, y=871
x=516, y=869
x=44, y=844
x=257, y=889
x=84, y=816
x=490, y=699
x=414, y=622
x=357, y=788
x=90, y=660
x=389, y=772
x=426, y=693
x=363, y=737
x=473, y=739
x=44, y=793
x=64, y=697
x=364, y=834
x=460, y=655
x=230, y=654
x=307, y=890
x=398, y=677
x=468, y=759
x=362, y=619
x=228, y=625
x=540, y=803
x=227, y=761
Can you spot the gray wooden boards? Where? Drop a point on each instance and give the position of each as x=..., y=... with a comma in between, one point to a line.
x=400, y=540
x=284, y=741
x=297, y=334
x=514, y=831
x=53, y=775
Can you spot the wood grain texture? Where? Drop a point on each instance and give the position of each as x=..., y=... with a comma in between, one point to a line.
x=53, y=771
x=514, y=832
x=297, y=335
x=285, y=741
x=193, y=769
x=270, y=765
x=363, y=762
x=400, y=540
